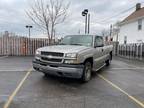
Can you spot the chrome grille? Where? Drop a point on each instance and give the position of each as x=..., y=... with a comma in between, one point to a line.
x=56, y=54
x=51, y=59
x=55, y=57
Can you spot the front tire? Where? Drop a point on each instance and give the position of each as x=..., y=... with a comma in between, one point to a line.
x=87, y=72
x=45, y=75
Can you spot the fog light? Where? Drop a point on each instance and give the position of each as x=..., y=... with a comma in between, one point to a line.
x=75, y=61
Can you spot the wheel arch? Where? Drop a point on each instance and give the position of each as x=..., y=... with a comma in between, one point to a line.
x=90, y=59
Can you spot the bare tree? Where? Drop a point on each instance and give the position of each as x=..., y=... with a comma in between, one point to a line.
x=116, y=29
x=104, y=32
x=47, y=14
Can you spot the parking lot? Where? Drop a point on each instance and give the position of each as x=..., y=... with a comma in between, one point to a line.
x=120, y=85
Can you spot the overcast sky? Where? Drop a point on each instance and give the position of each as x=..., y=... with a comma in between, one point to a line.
x=103, y=13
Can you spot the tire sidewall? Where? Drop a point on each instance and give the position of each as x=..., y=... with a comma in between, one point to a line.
x=108, y=62
x=87, y=70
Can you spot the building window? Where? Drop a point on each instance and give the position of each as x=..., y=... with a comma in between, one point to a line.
x=140, y=24
x=125, y=39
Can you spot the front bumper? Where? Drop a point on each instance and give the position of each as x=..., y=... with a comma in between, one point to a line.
x=62, y=70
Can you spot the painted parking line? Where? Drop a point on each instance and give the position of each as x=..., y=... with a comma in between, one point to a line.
x=6, y=105
x=3, y=57
x=127, y=68
x=121, y=90
x=133, y=66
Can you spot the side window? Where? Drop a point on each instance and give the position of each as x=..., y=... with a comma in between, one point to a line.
x=98, y=41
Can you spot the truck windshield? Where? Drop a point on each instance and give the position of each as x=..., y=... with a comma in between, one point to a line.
x=82, y=40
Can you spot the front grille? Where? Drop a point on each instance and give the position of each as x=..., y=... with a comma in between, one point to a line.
x=51, y=59
x=56, y=54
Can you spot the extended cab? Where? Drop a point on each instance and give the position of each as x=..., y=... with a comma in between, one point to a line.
x=76, y=56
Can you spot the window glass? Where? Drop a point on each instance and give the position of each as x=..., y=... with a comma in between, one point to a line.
x=83, y=40
x=99, y=41
x=140, y=24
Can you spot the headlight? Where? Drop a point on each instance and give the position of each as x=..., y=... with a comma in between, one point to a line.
x=71, y=55
x=38, y=52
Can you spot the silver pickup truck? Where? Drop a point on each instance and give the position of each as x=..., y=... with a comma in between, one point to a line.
x=76, y=56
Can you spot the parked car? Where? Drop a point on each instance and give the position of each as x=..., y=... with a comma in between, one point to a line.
x=76, y=56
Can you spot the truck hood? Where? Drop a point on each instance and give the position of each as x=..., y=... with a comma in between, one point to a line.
x=64, y=48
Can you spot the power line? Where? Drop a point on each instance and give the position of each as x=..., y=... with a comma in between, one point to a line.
x=116, y=15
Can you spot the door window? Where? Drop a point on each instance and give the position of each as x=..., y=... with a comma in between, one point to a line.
x=98, y=41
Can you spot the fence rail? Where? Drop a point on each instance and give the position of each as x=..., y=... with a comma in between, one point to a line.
x=20, y=46
x=131, y=51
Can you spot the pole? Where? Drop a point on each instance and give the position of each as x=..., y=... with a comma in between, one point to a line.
x=29, y=44
x=85, y=13
x=29, y=32
x=116, y=52
x=88, y=23
x=110, y=30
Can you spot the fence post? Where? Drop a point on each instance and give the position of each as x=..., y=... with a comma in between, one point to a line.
x=141, y=51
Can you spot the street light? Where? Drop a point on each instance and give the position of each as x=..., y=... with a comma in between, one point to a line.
x=84, y=13
x=29, y=28
x=87, y=20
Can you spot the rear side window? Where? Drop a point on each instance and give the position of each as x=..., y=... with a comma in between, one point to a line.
x=99, y=41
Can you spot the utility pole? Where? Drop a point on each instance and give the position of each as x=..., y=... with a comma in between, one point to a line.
x=29, y=30
x=111, y=32
x=88, y=23
x=79, y=32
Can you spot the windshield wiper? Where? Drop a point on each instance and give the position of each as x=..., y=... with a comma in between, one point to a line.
x=76, y=44
x=62, y=44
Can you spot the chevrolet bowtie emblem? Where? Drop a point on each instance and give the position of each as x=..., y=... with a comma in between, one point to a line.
x=49, y=56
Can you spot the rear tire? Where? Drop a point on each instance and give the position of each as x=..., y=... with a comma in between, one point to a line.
x=108, y=62
x=87, y=72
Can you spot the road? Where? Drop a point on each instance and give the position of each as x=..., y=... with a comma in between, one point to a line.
x=121, y=85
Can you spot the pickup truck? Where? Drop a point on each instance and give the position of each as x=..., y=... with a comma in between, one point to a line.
x=76, y=56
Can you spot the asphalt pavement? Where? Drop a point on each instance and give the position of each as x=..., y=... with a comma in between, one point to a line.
x=121, y=85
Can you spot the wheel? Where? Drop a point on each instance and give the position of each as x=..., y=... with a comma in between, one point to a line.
x=109, y=60
x=35, y=68
x=46, y=75
x=87, y=72
x=111, y=56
